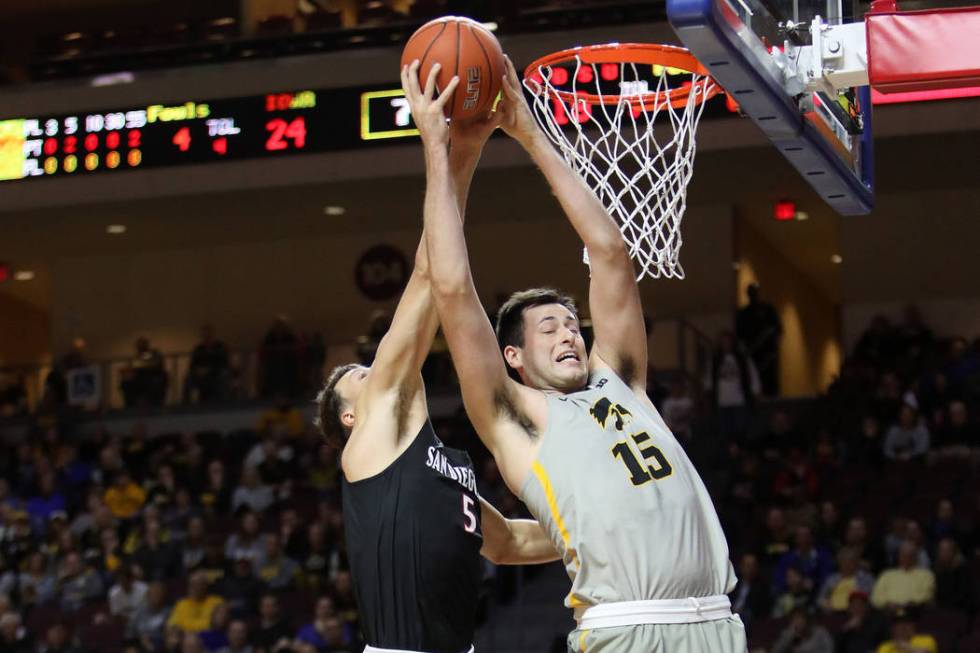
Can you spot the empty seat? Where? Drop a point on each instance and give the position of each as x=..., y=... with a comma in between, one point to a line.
x=220, y=29
x=323, y=21
x=765, y=632
x=427, y=9
x=376, y=12
x=102, y=638
x=40, y=617
x=274, y=26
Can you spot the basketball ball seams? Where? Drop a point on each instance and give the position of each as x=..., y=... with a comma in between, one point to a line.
x=419, y=34
x=425, y=53
x=459, y=37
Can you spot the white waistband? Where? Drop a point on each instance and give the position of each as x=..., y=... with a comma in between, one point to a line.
x=372, y=649
x=664, y=611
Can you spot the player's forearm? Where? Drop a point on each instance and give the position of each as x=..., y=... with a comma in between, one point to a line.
x=413, y=328
x=528, y=544
x=419, y=311
x=462, y=165
x=449, y=271
x=409, y=338
x=585, y=212
x=442, y=204
x=463, y=159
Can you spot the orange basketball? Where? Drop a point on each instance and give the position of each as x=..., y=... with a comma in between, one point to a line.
x=464, y=48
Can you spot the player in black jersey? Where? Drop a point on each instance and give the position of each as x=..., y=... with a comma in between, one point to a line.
x=415, y=525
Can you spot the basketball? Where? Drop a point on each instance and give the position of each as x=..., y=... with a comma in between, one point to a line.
x=464, y=48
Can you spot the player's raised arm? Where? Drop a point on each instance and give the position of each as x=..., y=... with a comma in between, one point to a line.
x=614, y=298
x=483, y=378
x=404, y=348
x=514, y=541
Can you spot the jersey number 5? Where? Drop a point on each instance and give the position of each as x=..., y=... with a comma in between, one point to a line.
x=470, y=525
x=657, y=467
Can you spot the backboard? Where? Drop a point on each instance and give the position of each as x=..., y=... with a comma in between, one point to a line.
x=753, y=49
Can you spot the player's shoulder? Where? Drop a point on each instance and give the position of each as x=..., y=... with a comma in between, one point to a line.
x=602, y=375
x=517, y=404
x=381, y=434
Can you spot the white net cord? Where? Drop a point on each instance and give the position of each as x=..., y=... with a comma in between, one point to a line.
x=639, y=169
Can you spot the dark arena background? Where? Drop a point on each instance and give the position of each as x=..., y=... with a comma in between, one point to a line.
x=204, y=206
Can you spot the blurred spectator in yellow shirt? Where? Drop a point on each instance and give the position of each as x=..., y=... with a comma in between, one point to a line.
x=905, y=584
x=904, y=638
x=192, y=613
x=282, y=419
x=124, y=498
x=836, y=591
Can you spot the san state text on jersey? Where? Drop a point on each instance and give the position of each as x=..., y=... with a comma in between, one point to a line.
x=462, y=475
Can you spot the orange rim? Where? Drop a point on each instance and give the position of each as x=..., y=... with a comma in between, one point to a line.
x=668, y=56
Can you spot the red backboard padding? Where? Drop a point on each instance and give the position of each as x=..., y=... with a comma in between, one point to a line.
x=923, y=50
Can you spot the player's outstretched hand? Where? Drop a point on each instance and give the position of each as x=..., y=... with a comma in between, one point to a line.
x=427, y=108
x=516, y=118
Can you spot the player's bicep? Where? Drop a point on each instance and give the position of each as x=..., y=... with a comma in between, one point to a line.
x=617, y=317
x=475, y=354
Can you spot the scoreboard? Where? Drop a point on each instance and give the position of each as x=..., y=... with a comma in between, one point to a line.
x=200, y=131
x=195, y=131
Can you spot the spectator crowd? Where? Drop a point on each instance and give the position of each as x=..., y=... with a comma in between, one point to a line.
x=190, y=543
x=853, y=519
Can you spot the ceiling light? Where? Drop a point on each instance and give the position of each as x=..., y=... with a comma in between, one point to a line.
x=837, y=259
x=113, y=79
x=116, y=229
x=490, y=26
x=334, y=210
x=23, y=275
x=802, y=215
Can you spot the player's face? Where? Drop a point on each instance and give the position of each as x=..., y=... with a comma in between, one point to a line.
x=553, y=354
x=352, y=383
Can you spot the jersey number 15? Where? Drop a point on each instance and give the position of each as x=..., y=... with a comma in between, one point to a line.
x=657, y=466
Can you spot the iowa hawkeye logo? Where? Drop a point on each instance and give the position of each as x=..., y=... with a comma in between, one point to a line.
x=603, y=410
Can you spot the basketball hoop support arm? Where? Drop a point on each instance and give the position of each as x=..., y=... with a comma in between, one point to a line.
x=757, y=75
x=837, y=59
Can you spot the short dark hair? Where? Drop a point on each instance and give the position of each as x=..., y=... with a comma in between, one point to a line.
x=510, y=317
x=328, y=404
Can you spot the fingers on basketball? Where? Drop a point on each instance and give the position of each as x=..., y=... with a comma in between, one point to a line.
x=413, y=78
x=465, y=49
x=410, y=80
x=430, y=82
x=447, y=93
x=512, y=87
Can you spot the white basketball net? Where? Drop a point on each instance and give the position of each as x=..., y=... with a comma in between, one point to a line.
x=639, y=170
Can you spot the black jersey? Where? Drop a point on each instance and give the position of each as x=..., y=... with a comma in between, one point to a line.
x=413, y=541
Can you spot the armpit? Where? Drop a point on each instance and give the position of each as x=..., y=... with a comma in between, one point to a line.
x=627, y=370
x=403, y=404
x=505, y=404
